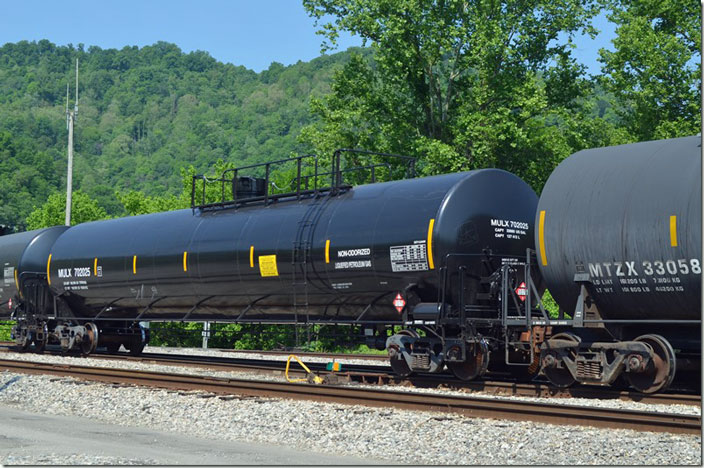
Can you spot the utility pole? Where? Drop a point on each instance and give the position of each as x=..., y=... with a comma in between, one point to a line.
x=206, y=334
x=70, y=121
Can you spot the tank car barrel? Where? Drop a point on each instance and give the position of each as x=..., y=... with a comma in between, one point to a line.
x=629, y=218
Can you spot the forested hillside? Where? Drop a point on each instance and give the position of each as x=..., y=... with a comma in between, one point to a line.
x=144, y=114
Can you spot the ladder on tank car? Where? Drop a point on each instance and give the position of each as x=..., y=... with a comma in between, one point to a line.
x=300, y=259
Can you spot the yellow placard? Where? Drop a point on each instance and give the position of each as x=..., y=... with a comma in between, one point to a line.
x=267, y=265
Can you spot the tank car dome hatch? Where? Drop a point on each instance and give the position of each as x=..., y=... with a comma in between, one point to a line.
x=628, y=220
x=248, y=187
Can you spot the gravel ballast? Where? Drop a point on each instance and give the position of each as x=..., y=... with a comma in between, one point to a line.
x=396, y=436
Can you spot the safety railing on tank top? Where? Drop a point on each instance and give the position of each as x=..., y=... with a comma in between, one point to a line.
x=309, y=178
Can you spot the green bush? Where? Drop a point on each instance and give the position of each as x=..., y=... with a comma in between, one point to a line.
x=550, y=305
x=5, y=328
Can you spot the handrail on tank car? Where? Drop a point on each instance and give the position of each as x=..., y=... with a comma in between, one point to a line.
x=337, y=156
x=372, y=167
x=528, y=319
x=442, y=292
x=335, y=173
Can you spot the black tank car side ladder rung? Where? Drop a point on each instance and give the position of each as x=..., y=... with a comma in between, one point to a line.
x=300, y=257
x=299, y=261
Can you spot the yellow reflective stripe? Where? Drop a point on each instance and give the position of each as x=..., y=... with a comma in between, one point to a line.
x=185, y=261
x=673, y=231
x=48, y=266
x=251, y=256
x=134, y=265
x=327, y=251
x=95, y=266
x=541, y=238
x=431, y=263
x=17, y=285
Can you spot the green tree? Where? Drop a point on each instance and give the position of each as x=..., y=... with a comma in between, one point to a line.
x=53, y=212
x=654, y=70
x=137, y=203
x=470, y=84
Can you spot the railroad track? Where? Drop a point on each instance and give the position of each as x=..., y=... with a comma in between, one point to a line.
x=380, y=374
x=466, y=405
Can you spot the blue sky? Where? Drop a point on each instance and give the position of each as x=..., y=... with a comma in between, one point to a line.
x=252, y=33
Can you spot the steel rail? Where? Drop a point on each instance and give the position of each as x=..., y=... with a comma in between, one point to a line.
x=467, y=406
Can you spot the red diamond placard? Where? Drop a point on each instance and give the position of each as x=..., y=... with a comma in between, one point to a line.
x=521, y=291
x=399, y=303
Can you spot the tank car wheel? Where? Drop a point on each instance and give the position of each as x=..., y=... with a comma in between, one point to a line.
x=660, y=371
x=475, y=365
x=136, y=345
x=137, y=341
x=40, y=345
x=90, y=340
x=560, y=377
x=409, y=332
x=23, y=339
x=24, y=347
x=397, y=362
